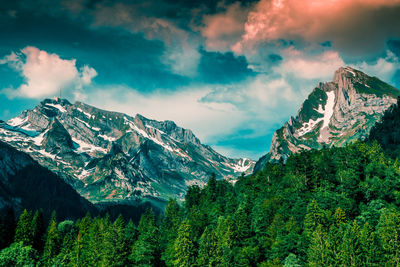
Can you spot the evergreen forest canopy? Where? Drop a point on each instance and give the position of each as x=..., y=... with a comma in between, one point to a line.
x=328, y=207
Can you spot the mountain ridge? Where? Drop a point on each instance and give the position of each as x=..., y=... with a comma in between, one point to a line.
x=334, y=113
x=111, y=156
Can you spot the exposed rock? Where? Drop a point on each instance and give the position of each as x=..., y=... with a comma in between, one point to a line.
x=109, y=156
x=334, y=114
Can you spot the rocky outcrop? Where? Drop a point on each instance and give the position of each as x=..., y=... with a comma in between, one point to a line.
x=57, y=140
x=109, y=156
x=334, y=114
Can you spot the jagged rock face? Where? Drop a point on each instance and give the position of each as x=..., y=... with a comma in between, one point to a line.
x=110, y=156
x=335, y=113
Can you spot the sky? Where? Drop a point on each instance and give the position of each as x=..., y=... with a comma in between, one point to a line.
x=231, y=71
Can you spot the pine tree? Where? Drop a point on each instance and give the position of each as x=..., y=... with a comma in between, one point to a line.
x=208, y=249
x=184, y=246
x=24, y=231
x=145, y=251
x=319, y=250
x=226, y=240
x=211, y=188
x=115, y=249
x=68, y=233
x=369, y=245
x=389, y=234
x=39, y=229
x=79, y=255
x=131, y=234
x=314, y=217
x=52, y=244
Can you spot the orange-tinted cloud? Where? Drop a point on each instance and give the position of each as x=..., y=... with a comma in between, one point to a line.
x=353, y=26
x=223, y=29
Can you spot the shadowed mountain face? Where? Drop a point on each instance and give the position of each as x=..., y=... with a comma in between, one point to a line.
x=334, y=114
x=112, y=157
x=26, y=184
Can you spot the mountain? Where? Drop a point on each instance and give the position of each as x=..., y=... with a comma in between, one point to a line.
x=387, y=131
x=112, y=157
x=334, y=114
x=24, y=184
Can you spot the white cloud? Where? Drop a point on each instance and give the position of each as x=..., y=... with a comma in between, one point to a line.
x=183, y=107
x=319, y=66
x=87, y=74
x=45, y=74
x=383, y=68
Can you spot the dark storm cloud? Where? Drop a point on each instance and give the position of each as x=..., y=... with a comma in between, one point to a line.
x=216, y=67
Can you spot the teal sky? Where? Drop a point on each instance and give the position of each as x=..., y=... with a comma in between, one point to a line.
x=231, y=71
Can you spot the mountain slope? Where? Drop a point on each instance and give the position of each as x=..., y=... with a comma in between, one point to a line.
x=26, y=184
x=110, y=156
x=335, y=113
x=387, y=131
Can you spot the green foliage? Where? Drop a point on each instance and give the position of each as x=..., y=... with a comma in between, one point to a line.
x=145, y=251
x=185, y=248
x=332, y=207
x=18, y=255
x=52, y=244
x=24, y=232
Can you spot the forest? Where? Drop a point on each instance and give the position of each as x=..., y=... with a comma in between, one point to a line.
x=328, y=207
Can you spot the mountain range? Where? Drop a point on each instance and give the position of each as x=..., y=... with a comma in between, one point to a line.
x=111, y=157
x=334, y=114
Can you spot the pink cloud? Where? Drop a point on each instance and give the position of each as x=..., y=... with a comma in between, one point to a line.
x=222, y=30
x=352, y=25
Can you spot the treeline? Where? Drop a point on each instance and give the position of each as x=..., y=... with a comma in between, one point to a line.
x=337, y=206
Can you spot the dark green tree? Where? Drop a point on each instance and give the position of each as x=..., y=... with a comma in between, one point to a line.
x=52, y=243
x=39, y=229
x=24, y=231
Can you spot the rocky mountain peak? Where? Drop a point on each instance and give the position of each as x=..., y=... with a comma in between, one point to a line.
x=108, y=155
x=335, y=113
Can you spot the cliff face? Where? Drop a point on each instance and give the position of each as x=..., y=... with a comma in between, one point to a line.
x=334, y=114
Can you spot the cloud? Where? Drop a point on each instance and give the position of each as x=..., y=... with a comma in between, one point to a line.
x=181, y=47
x=45, y=74
x=383, y=68
x=353, y=27
x=303, y=66
x=223, y=29
x=87, y=74
x=184, y=107
x=216, y=67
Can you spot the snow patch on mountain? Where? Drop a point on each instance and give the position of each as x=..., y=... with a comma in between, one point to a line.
x=328, y=111
x=83, y=147
x=16, y=121
x=57, y=106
